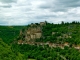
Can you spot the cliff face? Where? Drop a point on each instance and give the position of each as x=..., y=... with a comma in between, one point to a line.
x=34, y=31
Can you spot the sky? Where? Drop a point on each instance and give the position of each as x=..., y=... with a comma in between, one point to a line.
x=23, y=12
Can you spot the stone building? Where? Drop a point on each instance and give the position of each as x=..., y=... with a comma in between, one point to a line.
x=33, y=36
x=42, y=23
x=33, y=32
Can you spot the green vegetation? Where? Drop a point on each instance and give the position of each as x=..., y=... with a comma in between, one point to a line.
x=46, y=53
x=9, y=33
x=60, y=33
x=54, y=33
x=6, y=53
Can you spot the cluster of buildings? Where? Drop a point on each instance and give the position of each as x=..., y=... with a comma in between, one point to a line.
x=31, y=33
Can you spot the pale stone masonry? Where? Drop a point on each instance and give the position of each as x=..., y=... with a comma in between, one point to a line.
x=33, y=32
x=42, y=23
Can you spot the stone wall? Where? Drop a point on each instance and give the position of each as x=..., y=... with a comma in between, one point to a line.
x=42, y=23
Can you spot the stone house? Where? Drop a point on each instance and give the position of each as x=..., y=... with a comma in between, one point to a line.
x=42, y=23
x=32, y=36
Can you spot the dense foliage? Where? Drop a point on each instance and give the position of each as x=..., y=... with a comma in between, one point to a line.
x=47, y=53
x=9, y=33
x=6, y=53
x=60, y=33
x=56, y=33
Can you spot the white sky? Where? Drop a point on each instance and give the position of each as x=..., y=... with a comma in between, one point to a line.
x=23, y=12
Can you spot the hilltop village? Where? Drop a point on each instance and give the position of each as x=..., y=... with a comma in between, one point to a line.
x=40, y=41
x=35, y=32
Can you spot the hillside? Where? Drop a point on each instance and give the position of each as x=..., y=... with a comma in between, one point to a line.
x=41, y=41
x=9, y=33
x=6, y=53
x=65, y=33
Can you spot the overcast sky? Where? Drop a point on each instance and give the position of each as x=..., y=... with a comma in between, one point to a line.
x=23, y=12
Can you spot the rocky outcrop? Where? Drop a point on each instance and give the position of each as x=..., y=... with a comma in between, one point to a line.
x=32, y=33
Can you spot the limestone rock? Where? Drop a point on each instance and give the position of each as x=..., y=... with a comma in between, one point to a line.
x=33, y=32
